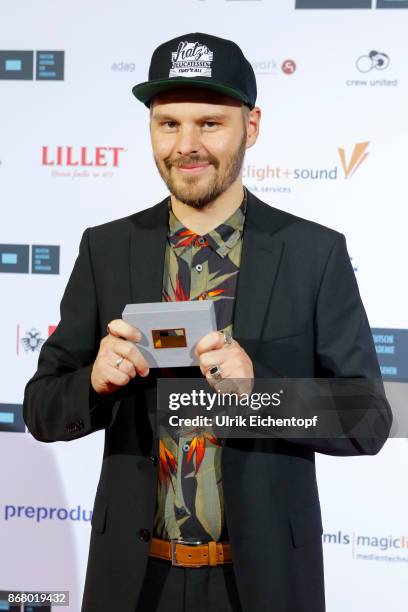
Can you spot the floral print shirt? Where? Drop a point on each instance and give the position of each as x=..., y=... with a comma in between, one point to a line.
x=190, y=501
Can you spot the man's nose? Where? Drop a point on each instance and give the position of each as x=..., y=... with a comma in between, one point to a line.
x=188, y=141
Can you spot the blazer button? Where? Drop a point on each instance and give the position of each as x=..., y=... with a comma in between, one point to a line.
x=154, y=459
x=144, y=535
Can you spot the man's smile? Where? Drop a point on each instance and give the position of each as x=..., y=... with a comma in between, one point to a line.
x=192, y=167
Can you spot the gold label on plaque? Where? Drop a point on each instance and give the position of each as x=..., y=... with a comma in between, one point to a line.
x=169, y=338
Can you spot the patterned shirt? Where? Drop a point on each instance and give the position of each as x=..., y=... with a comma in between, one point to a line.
x=190, y=501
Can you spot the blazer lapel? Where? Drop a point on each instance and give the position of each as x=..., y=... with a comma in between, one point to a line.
x=262, y=250
x=147, y=250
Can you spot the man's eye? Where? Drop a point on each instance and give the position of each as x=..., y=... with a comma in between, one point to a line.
x=171, y=124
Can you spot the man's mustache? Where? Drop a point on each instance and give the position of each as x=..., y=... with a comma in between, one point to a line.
x=189, y=161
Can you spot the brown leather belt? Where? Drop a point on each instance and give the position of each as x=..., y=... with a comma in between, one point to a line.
x=191, y=554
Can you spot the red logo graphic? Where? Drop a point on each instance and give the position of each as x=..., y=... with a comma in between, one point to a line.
x=85, y=157
x=288, y=66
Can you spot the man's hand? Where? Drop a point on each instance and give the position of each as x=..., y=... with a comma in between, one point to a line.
x=236, y=365
x=107, y=376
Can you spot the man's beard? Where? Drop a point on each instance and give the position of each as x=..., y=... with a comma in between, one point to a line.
x=187, y=191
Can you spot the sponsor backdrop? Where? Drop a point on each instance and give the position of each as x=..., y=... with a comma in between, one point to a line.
x=75, y=152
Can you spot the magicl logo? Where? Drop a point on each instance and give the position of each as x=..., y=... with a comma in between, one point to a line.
x=357, y=157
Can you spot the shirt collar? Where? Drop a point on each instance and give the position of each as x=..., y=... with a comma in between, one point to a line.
x=221, y=239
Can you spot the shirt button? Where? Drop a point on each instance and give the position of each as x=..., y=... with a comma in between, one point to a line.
x=201, y=240
x=154, y=459
x=186, y=447
x=199, y=267
x=144, y=535
x=180, y=511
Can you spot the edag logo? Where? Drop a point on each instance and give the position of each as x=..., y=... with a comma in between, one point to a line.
x=82, y=162
x=279, y=178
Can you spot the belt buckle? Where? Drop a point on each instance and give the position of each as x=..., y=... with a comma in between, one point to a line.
x=173, y=543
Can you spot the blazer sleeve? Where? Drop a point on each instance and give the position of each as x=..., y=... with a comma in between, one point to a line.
x=356, y=409
x=344, y=349
x=59, y=401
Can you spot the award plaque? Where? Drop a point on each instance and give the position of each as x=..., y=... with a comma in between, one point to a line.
x=171, y=330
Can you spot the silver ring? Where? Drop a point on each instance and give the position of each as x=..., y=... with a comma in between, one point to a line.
x=227, y=337
x=118, y=361
x=216, y=372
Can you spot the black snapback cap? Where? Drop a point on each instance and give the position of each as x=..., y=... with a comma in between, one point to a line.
x=199, y=60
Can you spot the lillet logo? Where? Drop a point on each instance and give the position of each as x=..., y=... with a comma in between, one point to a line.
x=81, y=156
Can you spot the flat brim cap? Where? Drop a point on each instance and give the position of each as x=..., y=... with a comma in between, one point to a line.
x=199, y=60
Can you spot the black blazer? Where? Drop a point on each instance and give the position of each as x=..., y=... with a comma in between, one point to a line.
x=298, y=313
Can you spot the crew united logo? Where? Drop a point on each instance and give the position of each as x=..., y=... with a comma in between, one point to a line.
x=357, y=157
x=191, y=59
x=375, y=60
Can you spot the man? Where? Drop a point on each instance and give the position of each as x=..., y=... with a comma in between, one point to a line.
x=287, y=304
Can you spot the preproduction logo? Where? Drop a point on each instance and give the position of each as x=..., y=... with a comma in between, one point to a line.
x=43, y=513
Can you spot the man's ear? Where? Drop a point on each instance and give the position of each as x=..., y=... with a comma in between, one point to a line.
x=254, y=118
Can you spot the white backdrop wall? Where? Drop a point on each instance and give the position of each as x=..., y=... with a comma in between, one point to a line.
x=328, y=80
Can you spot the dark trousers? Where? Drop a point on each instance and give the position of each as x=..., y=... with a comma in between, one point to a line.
x=168, y=588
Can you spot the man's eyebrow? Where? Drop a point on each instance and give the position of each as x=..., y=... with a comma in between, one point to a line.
x=206, y=117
